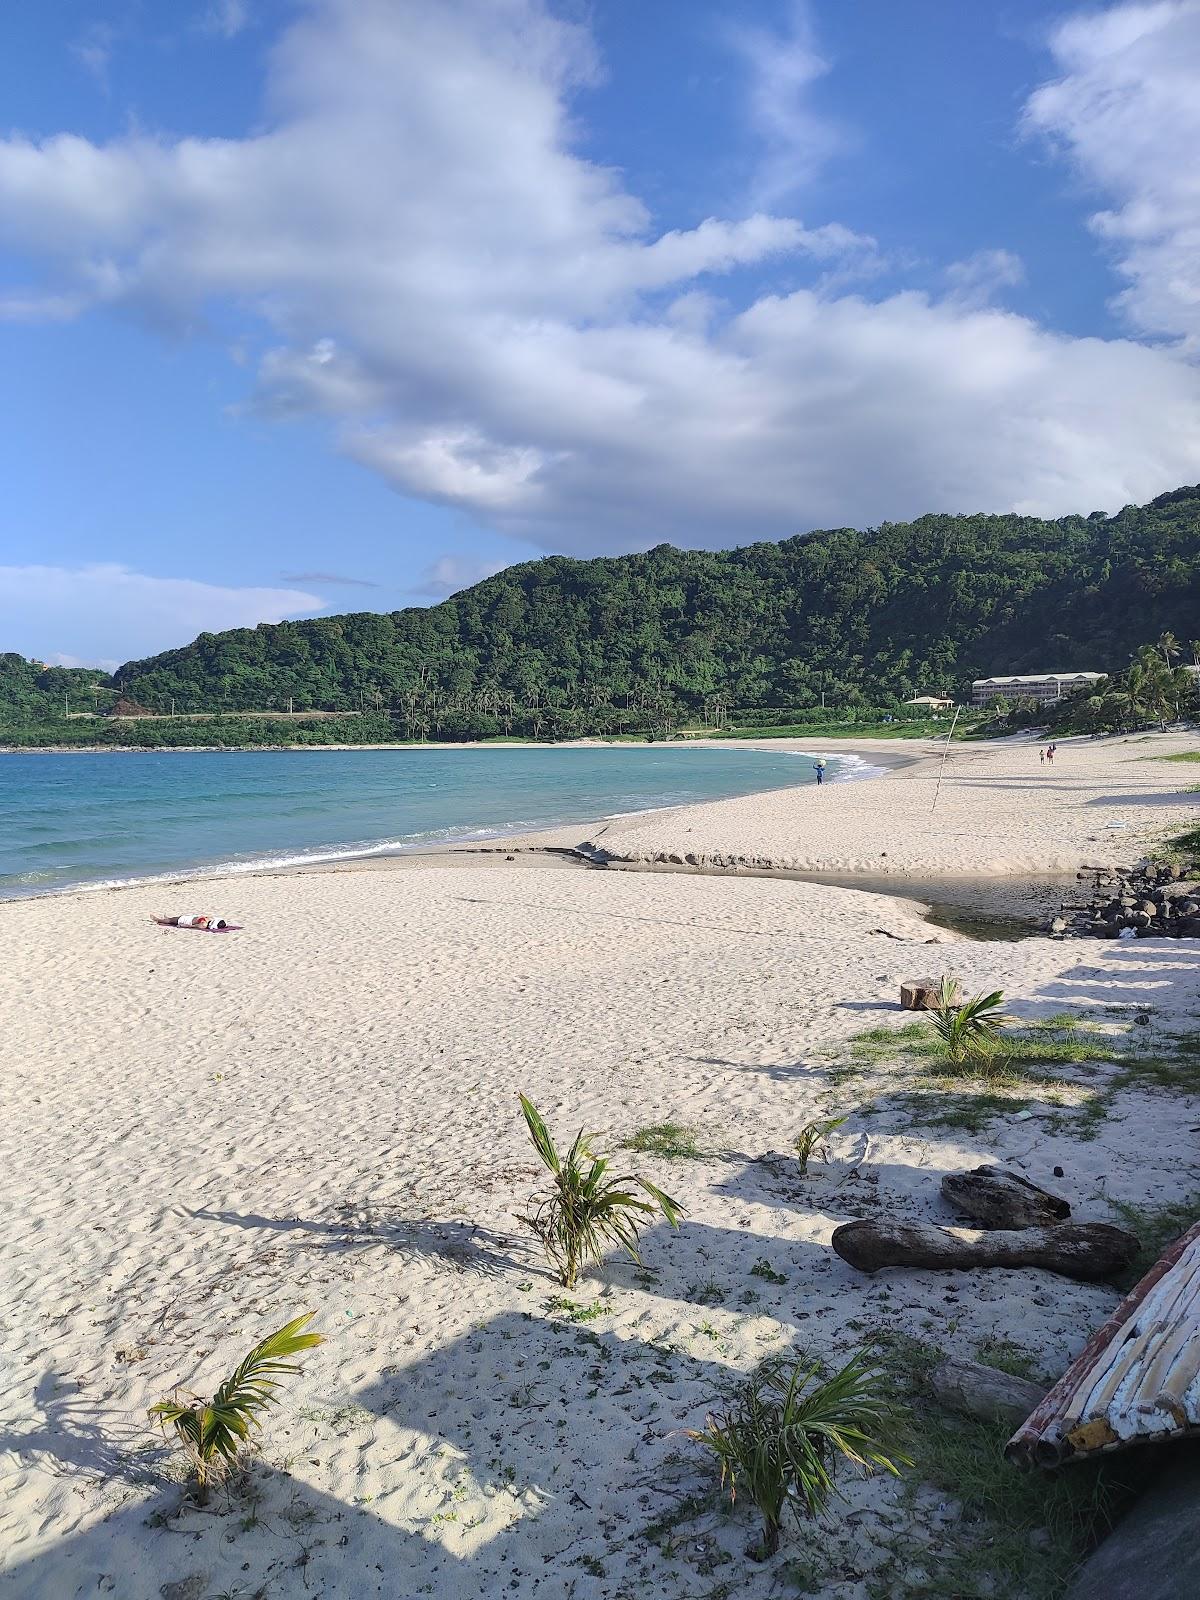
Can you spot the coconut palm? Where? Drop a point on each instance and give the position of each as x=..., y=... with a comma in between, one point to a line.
x=213, y=1432
x=779, y=1441
x=968, y=1029
x=586, y=1211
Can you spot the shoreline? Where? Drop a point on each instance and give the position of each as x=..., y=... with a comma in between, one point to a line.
x=734, y=742
x=385, y=853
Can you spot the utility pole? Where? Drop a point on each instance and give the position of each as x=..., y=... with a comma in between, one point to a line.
x=945, y=753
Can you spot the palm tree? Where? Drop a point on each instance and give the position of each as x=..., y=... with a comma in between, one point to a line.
x=1169, y=645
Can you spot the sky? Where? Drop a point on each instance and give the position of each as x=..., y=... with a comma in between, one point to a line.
x=311, y=306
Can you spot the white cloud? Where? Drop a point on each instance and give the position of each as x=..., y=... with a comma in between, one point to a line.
x=979, y=278
x=1127, y=111
x=449, y=574
x=782, y=66
x=490, y=321
x=108, y=613
x=225, y=18
x=93, y=49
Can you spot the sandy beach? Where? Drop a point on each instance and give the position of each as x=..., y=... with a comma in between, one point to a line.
x=203, y=1137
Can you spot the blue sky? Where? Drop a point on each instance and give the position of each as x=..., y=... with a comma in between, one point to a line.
x=320, y=305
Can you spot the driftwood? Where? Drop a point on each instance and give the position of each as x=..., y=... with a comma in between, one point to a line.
x=1137, y=1377
x=980, y=1391
x=925, y=994
x=1089, y=1251
x=995, y=1198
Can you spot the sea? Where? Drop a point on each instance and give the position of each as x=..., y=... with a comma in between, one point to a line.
x=100, y=819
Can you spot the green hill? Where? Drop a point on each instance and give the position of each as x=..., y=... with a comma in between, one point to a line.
x=863, y=618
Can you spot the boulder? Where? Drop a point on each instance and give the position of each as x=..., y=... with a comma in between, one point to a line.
x=1154, y=1551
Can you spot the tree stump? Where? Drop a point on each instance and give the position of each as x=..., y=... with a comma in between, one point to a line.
x=979, y=1391
x=925, y=994
x=1089, y=1251
x=995, y=1198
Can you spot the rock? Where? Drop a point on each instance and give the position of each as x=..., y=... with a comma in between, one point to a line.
x=1058, y=924
x=1154, y=1551
x=1178, y=891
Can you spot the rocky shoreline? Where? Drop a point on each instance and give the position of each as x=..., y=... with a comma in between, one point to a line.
x=1146, y=901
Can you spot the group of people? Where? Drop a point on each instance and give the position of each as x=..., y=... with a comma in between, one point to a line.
x=1047, y=754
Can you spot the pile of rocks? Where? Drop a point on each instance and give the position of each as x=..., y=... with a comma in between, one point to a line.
x=1149, y=900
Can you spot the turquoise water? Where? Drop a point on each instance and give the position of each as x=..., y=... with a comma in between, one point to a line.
x=87, y=819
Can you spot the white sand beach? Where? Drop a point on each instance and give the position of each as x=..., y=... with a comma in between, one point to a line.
x=203, y=1137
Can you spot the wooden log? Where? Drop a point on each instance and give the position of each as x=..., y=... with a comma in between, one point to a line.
x=979, y=1391
x=995, y=1198
x=925, y=994
x=1042, y=1440
x=1089, y=1251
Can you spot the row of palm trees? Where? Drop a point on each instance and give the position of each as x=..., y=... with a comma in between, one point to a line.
x=1153, y=688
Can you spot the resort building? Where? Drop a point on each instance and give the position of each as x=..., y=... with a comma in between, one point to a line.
x=1047, y=688
x=931, y=702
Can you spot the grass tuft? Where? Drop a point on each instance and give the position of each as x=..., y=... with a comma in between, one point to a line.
x=673, y=1140
x=1156, y=1228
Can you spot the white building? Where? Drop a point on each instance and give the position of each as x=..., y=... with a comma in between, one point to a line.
x=1047, y=688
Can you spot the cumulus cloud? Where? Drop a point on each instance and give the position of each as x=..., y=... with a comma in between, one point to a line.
x=490, y=321
x=1126, y=110
x=449, y=574
x=109, y=613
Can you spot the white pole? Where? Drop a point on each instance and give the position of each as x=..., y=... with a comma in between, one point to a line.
x=945, y=753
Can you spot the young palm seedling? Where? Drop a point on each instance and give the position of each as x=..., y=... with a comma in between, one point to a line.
x=968, y=1029
x=811, y=1139
x=212, y=1432
x=587, y=1211
x=779, y=1440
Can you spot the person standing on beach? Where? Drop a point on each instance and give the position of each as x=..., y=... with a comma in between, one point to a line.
x=819, y=769
x=1042, y=757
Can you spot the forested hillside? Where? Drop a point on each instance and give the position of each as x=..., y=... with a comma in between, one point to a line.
x=859, y=617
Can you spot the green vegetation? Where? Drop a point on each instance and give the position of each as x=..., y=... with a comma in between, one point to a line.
x=672, y=1140
x=969, y=1030
x=586, y=1211
x=1013, y=1078
x=1152, y=689
x=1020, y=1534
x=1007, y=1355
x=779, y=1441
x=1156, y=1227
x=828, y=629
x=763, y=1269
x=213, y=1432
x=811, y=1139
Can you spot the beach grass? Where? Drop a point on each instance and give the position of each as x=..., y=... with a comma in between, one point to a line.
x=674, y=1141
x=1016, y=1076
x=1018, y=1535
